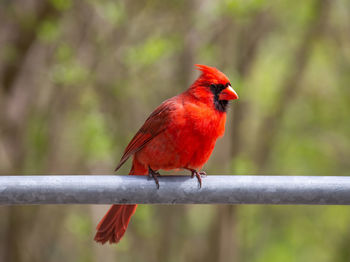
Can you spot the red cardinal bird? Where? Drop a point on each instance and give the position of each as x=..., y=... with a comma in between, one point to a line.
x=180, y=134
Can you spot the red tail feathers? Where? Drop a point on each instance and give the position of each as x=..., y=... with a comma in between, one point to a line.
x=113, y=225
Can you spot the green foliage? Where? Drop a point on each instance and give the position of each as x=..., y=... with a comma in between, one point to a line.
x=64, y=53
x=243, y=165
x=37, y=142
x=70, y=73
x=92, y=133
x=79, y=225
x=49, y=30
x=289, y=242
x=114, y=12
x=61, y=5
x=144, y=221
x=152, y=50
x=263, y=86
x=242, y=8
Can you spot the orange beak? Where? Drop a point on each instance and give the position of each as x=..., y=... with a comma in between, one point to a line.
x=228, y=94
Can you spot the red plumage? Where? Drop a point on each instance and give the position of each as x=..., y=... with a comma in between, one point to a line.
x=180, y=134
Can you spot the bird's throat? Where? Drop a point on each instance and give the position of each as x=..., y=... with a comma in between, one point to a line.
x=220, y=105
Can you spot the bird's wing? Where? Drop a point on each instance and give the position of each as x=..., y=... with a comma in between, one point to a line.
x=155, y=124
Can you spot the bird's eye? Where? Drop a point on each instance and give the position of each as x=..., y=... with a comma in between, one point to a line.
x=220, y=87
x=217, y=88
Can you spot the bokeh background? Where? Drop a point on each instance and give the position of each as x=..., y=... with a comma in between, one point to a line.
x=78, y=78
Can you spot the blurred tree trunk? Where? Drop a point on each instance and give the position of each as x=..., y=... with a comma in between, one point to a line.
x=343, y=248
x=16, y=104
x=171, y=238
x=246, y=48
x=25, y=37
x=249, y=40
x=292, y=83
x=223, y=235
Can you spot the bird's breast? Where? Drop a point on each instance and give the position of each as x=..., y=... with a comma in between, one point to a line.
x=194, y=132
x=188, y=139
x=205, y=121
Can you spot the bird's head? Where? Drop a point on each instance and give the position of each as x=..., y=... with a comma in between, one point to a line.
x=213, y=87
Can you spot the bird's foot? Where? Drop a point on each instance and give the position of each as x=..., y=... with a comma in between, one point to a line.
x=154, y=174
x=198, y=175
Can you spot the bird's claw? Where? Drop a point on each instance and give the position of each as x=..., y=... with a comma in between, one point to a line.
x=198, y=175
x=154, y=174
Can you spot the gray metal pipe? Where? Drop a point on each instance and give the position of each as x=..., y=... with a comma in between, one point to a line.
x=306, y=190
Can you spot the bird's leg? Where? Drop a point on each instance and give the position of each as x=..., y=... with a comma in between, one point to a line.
x=153, y=174
x=198, y=175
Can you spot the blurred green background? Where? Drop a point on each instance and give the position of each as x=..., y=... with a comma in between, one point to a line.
x=78, y=78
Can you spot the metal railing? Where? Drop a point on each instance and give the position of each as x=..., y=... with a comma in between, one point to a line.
x=306, y=190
